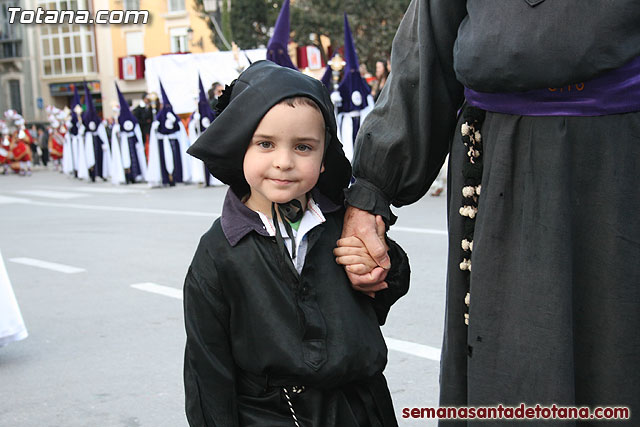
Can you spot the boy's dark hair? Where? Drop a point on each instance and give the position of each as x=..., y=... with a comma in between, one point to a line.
x=300, y=100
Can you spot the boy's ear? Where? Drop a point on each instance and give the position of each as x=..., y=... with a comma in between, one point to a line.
x=322, y=168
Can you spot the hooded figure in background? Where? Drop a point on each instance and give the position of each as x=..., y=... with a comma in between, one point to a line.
x=75, y=138
x=97, y=148
x=168, y=143
x=117, y=173
x=198, y=123
x=127, y=143
x=327, y=77
x=355, y=93
x=69, y=155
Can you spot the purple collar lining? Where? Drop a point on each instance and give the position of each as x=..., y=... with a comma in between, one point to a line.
x=237, y=220
x=615, y=92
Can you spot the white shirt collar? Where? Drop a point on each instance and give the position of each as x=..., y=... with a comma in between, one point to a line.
x=311, y=218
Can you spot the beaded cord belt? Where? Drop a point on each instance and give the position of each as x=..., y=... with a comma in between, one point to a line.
x=472, y=173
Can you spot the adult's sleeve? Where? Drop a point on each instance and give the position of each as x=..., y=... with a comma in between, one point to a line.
x=397, y=279
x=209, y=378
x=404, y=140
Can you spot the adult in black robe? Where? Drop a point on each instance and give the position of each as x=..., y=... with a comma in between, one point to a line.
x=554, y=303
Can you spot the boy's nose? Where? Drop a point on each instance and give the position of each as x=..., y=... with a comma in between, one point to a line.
x=283, y=159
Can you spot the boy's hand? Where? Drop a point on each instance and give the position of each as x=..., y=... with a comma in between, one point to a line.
x=354, y=255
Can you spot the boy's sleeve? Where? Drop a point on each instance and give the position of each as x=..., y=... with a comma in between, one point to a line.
x=209, y=379
x=397, y=279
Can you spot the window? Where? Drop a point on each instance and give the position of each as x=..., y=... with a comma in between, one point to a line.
x=66, y=49
x=176, y=5
x=178, y=40
x=131, y=5
x=14, y=95
x=135, y=43
x=210, y=5
x=64, y=4
x=10, y=35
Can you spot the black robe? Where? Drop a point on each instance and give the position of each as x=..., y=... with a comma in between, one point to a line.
x=254, y=326
x=555, y=285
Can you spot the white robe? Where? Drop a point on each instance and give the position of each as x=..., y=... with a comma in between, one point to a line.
x=120, y=143
x=345, y=126
x=197, y=166
x=117, y=167
x=68, y=155
x=12, y=326
x=85, y=157
x=154, y=173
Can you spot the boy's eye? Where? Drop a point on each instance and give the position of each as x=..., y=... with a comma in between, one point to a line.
x=265, y=144
x=304, y=147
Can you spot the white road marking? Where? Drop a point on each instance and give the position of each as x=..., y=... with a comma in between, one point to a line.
x=6, y=200
x=48, y=265
x=113, y=190
x=159, y=289
x=414, y=349
x=420, y=350
x=211, y=215
x=419, y=230
x=51, y=194
x=122, y=209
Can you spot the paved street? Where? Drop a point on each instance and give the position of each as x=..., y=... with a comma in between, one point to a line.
x=106, y=337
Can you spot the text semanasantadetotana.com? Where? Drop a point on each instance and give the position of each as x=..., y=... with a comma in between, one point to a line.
x=522, y=412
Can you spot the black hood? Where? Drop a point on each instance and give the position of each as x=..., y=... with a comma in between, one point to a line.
x=261, y=86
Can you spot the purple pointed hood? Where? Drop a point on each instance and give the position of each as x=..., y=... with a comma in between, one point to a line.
x=169, y=121
x=353, y=88
x=126, y=119
x=90, y=117
x=74, y=117
x=277, y=48
x=327, y=78
x=204, y=108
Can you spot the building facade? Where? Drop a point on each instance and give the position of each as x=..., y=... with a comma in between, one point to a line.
x=40, y=64
x=175, y=26
x=18, y=70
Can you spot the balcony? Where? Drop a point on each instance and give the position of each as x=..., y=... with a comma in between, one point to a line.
x=131, y=67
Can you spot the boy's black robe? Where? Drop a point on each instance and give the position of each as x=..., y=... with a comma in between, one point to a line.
x=254, y=326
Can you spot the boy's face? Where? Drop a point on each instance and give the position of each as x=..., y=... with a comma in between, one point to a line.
x=284, y=158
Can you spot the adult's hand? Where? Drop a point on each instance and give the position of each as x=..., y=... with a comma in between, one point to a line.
x=370, y=230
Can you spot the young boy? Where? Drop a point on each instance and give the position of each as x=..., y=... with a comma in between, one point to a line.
x=276, y=336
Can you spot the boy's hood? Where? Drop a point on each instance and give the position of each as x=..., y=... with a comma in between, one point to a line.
x=261, y=86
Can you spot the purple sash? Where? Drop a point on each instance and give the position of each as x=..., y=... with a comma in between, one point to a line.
x=615, y=92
